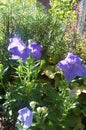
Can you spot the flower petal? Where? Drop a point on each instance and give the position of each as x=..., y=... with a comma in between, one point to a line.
x=25, y=53
x=28, y=121
x=16, y=42
x=81, y=70
x=69, y=75
x=15, y=57
x=36, y=50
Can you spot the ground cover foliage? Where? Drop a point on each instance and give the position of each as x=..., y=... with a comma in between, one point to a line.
x=38, y=84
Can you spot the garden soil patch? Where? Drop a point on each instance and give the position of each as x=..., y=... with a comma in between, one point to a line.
x=6, y=124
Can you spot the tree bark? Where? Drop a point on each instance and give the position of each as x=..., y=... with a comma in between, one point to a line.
x=45, y=3
x=82, y=16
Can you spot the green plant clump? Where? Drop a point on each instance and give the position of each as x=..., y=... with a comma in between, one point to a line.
x=38, y=84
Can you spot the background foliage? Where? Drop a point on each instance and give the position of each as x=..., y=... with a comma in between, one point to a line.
x=41, y=81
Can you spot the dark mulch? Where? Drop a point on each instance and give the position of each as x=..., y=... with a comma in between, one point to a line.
x=6, y=124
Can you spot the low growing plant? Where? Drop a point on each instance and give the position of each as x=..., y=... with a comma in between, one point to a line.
x=43, y=84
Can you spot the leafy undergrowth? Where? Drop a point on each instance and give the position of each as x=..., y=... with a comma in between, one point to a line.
x=42, y=67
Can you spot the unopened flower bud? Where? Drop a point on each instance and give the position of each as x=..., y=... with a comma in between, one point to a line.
x=39, y=109
x=44, y=109
x=33, y=104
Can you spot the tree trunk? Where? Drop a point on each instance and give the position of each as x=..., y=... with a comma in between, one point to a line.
x=82, y=16
x=45, y=3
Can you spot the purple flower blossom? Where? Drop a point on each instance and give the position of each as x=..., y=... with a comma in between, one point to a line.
x=26, y=117
x=18, y=49
x=36, y=49
x=72, y=66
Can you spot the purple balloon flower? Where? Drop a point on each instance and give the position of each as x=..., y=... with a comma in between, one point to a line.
x=26, y=117
x=18, y=49
x=72, y=66
x=36, y=49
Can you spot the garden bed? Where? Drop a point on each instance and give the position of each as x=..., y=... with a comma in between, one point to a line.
x=42, y=67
